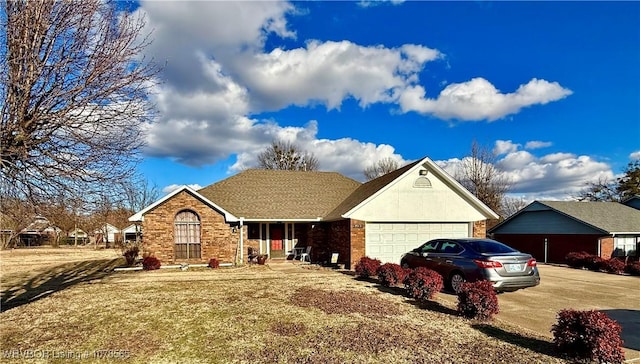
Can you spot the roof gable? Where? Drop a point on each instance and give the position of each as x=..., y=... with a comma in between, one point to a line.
x=369, y=191
x=139, y=216
x=259, y=194
x=605, y=217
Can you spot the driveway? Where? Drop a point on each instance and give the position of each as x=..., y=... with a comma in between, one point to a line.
x=561, y=287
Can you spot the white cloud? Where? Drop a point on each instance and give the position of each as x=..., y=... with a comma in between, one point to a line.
x=478, y=99
x=536, y=144
x=554, y=176
x=635, y=155
x=218, y=75
x=349, y=156
x=170, y=188
x=371, y=3
x=504, y=147
x=329, y=72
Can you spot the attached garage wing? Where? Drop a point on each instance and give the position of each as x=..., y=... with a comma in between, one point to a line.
x=388, y=241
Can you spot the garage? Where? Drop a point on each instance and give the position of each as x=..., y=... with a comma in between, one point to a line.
x=388, y=241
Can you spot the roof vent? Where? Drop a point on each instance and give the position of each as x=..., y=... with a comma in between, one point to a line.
x=422, y=182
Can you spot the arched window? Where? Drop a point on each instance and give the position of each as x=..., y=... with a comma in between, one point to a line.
x=187, y=235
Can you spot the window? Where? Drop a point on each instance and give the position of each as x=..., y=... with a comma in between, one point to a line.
x=449, y=247
x=422, y=182
x=187, y=235
x=624, y=246
x=429, y=247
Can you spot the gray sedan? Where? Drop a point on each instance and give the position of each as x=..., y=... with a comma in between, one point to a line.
x=459, y=260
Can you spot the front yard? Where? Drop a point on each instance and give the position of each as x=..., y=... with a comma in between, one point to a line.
x=251, y=314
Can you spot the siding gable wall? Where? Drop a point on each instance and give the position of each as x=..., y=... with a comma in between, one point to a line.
x=537, y=221
x=402, y=201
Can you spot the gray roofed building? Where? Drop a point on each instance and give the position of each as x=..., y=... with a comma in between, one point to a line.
x=274, y=212
x=550, y=230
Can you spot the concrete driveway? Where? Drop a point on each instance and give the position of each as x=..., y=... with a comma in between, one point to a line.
x=560, y=288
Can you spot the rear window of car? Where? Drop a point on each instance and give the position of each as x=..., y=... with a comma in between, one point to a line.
x=486, y=246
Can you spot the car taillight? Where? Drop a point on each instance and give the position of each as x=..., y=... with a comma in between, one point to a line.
x=487, y=263
x=532, y=262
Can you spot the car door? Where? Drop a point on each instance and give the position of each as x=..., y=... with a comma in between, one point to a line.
x=423, y=255
x=447, y=257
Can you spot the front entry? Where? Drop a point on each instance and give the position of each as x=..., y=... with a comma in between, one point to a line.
x=276, y=241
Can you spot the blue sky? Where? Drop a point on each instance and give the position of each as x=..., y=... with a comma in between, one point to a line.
x=552, y=87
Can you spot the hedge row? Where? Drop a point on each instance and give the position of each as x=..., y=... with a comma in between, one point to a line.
x=584, y=260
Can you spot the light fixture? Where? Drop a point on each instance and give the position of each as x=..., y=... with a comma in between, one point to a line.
x=423, y=172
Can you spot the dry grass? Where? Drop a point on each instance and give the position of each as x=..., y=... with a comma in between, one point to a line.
x=242, y=315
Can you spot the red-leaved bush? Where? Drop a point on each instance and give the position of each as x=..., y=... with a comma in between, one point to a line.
x=590, y=335
x=422, y=283
x=577, y=259
x=478, y=300
x=150, y=263
x=633, y=268
x=214, y=263
x=367, y=267
x=391, y=274
x=613, y=265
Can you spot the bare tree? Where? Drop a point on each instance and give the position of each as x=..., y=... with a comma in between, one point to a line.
x=601, y=190
x=74, y=96
x=286, y=156
x=380, y=168
x=511, y=205
x=139, y=194
x=478, y=173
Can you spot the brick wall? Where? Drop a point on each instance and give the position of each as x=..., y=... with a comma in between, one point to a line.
x=606, y=247
x=216, y=236
x=480, y=229
x=357, y=242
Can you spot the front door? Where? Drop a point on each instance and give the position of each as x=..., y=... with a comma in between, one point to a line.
x=277, y=240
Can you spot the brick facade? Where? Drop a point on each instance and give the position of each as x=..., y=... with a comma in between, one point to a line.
x=480, y=229
x=357, y=237
x=606, y=247
x=218, y=239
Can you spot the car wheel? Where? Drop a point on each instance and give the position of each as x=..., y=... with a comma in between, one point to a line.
x=455, y=280
x=404, y=265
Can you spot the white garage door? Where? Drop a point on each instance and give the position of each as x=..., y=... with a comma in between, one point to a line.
x=388, y=241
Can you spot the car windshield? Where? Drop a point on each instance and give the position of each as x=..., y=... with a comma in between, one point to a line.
x=488, y=246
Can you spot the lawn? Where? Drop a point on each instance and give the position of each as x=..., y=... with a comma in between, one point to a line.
x=279, y=313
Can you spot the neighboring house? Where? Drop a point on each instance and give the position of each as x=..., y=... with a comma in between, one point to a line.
x=549, y=230
x=132, y=232
x=633, y=202
x=108, y=233
x=38, y=232
x=274, y=211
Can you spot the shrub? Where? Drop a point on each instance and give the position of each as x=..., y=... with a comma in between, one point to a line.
x=423, y=283
x=130, y=255
x=150, y=263
x=391, y=274
x=594, y=263
x=590, y=335
x=367, y=267
x=477, y=300
x=613, y=266
x=577, y=259
x=214, y=263
x=633, y=268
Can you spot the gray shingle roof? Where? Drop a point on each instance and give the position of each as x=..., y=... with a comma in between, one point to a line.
x=275, y=194
x=612, y=217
